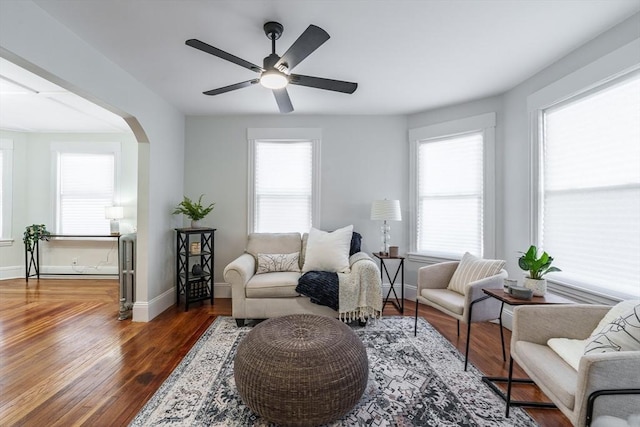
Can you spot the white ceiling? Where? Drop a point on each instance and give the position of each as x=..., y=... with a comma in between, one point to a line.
x=29, y=103
x=406, y=55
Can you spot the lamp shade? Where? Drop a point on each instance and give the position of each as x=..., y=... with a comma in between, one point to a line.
x=386, y=210
x=114, y=212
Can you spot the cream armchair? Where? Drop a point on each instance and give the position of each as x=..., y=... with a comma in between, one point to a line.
x=606, y=384
x=472, y=306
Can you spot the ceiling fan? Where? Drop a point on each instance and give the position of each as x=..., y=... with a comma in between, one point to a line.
x=275, y=73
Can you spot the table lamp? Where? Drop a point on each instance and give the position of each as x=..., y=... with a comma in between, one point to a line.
x=386, y=210
x=114, y=213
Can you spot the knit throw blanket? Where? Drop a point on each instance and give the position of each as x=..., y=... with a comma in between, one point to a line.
x=355, y=295
x=360, y=291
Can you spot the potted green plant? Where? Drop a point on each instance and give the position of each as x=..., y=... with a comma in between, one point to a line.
x=537, y=266
x=33, y=233
x=195, y=211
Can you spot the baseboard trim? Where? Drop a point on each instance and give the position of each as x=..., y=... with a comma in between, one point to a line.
x=144, y=311
x=222, y=290
x=11, y=272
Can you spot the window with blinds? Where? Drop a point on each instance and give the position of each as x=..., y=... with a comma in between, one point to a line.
x=86, y=185
x=450, y=195
x=283, y=186
x=589, y=187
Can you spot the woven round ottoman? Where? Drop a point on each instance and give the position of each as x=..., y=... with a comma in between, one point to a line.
x=301, y=370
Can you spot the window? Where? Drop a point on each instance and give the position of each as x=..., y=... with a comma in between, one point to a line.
x=452, y=188
x=6, y=188
x=589, y=187
x=86, y=183
x=283, y=182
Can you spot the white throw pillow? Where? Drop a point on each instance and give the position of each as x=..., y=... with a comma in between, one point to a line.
x=471, y=269
x=268, y=263
x=614, y=313
x=328, y=251
x=570, y=350
x=621, y=334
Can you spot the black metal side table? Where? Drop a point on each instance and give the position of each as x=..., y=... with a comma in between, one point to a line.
x=397, y=302
x=505, y=298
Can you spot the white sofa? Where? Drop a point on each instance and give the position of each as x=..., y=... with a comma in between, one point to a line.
x=267, y=295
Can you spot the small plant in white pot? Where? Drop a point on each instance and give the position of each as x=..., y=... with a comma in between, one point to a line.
x=537, y=267
x=193, y=210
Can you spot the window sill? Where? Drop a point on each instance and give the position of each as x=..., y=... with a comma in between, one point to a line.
x=585, y=295
x=6, y=242
x=431, y=258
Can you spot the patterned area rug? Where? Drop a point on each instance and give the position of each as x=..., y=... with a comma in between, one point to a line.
x=412, y=382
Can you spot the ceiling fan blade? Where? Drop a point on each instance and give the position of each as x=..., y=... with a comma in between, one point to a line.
x=222, y=54
x=231, y=87
x=283, y=100
x=320, y=83
x=311, y=39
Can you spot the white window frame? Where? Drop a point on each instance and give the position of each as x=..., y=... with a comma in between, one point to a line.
x=6, y=146
x=597, y=74
x=82, y=148
x=484, y=123
x=282, y=135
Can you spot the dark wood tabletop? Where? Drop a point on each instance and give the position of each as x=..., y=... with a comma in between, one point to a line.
x=508, y=299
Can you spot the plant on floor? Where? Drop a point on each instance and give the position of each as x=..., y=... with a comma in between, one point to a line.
x=536, y=266
x=33, y=233
x=193, y=210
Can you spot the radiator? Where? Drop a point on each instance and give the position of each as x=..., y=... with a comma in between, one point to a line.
x=127, y=273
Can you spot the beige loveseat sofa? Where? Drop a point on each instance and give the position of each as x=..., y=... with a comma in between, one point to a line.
x=612, y=379
x=273, y=294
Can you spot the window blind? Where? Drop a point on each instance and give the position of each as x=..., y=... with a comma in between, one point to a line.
x=86, y=183
x=450, y=195
x=590, y=188
x=283, y=186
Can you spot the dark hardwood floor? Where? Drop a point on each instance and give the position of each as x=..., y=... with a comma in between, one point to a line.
x=66, y=360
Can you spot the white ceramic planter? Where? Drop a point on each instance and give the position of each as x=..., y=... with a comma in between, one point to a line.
x=538, y=286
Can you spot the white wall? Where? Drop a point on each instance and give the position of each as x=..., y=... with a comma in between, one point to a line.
x=34, y=40
x=33, y=203
x=469, y=109
x=517, y=147
x=216, y=159
x=363, y=158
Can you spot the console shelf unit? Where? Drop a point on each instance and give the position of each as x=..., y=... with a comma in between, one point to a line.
x=194, y=287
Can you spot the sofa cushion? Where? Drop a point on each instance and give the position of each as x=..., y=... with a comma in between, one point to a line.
x=273, y=285
x=450, y=300
x=305, y=239
x=269, y=263
x=549, y=369
x=471, y=269
x=355, y=247
x=621, y=334
x=328, y=251
x=273, y=243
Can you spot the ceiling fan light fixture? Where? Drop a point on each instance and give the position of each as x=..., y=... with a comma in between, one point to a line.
x=274, y=79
